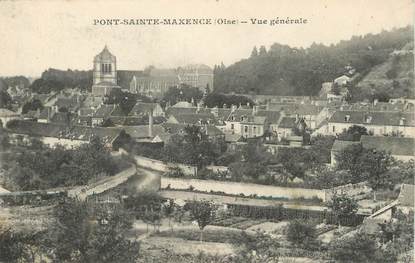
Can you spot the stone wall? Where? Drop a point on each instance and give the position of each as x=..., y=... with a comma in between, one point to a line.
x=236, y=188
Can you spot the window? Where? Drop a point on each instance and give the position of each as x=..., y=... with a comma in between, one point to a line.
x=106, y=68
x=232, y=126
x=368, y=119
x=246, y=129
x=334, y=128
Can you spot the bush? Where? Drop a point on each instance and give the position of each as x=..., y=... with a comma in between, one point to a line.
x=302, y=234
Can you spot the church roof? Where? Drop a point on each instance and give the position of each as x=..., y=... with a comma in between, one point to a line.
x=104, y=55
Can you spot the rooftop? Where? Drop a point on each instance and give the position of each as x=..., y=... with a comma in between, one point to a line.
x=393, y=145
x=373, y=118
x=339, y=145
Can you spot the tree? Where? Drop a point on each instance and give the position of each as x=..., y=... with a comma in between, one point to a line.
x=254, y=52
x=379, y=163
x=302, y=234
x=363, y=164
x=32, y=105
x=107, y=242
x=143, y=201
x=262, y=51
x=168, y=208
x=92, y=233
x=5, y=99
x=343, y=206
x=11, y=247
x=359, y=248
x=256, y=248
x=353, y=133
x=182, y=93
x=203, y=212
x=71, y=232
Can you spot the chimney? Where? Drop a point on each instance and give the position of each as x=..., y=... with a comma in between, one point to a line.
x=225, y=106
x=150, y=124
x=375, y=102
x=233, y=108
x=198, y=107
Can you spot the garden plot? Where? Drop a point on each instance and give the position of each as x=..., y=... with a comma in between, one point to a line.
x=270, y=227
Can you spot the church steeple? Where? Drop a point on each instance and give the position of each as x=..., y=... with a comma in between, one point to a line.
x=105, y=72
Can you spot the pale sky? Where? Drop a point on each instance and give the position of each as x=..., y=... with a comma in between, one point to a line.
x=39, y=35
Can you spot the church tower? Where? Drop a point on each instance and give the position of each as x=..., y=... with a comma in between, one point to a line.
x=104, y=73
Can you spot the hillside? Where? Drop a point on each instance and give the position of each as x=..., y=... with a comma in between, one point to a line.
x=393, y=78
x=283, y=70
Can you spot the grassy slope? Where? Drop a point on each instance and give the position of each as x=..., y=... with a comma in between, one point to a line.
x=377, y=80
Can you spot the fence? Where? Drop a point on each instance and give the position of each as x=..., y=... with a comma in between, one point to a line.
x=284, y=213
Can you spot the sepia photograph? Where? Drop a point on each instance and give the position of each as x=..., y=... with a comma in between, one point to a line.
x=207, y=131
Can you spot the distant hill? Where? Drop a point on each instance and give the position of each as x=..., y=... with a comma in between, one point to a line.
x=283, y=70
x=392, y=79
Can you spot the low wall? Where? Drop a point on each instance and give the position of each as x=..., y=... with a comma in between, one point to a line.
x=236, y=188
x=82, y=192
x=164, y=167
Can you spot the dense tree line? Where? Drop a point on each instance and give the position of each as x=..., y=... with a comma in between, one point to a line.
x=14, y=81
x=283, y=70
x=57, y=80
x=220, y=100
x=182, y=93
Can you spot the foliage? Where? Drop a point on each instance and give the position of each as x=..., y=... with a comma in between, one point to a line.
x=143, y=201
x=364, y=164
x=40, y=167
x=359, y=247
x=92, y=234
x=283, y=70
x=57, y=80
x=203, y=212
x=5, y=99
x=221, y=100
x=302, y=234
x=343, y=206
x=259, y=247
x=122, y=140
x=32, y=105
x=182, y=93
x=353, y=133
x=175, y=172
x=11, y=247
x=193, y=147
x=124, y=99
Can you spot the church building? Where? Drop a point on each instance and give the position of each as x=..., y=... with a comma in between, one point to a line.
x=104, y=73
